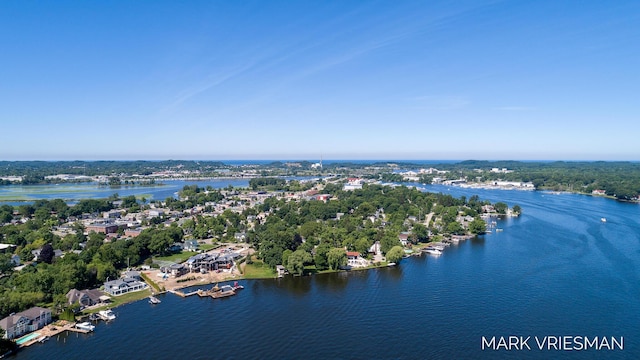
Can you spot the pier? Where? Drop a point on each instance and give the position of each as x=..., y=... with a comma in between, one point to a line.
x=52, y=330
x=183, y=294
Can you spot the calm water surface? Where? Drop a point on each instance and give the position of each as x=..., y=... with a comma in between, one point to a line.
x=556, y=270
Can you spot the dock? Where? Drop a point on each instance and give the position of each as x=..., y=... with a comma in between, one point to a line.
x=52, y=330
x=183, y=294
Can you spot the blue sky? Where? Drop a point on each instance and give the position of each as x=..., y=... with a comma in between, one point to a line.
x=300, y=79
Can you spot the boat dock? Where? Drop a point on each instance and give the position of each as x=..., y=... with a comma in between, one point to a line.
x=50, y=331
x=183, y=294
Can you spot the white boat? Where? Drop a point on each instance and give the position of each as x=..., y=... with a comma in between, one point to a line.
x=106, y=315
x=237, y=286
x=43, y=339
x=432, y=251
x=85, y=326
x=603, y=219
x=154, y=300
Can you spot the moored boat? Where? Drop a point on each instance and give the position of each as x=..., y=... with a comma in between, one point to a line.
x=85, y=326
x=154, y=300
x=237, y=286
x=43, y=339
x=432, y=251
x=106, y=315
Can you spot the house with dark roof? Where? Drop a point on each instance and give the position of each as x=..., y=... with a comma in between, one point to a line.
x=85, y=297
x=24, y=322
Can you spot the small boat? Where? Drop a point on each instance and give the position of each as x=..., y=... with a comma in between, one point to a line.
x=106, y=315
x=222, y=291
x=43, y=339
x=85, y=326
x=237, y=286
x=498, y=230
x=154, y=300
x=432, y=251
x=603, y=219
x=94, y=317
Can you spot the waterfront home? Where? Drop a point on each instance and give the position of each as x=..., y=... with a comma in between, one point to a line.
x=404, y=238
x=86, y=297
x=24, y=322
x=202, y=262
x=354, y=260
x=175, y=269
x=123, y=286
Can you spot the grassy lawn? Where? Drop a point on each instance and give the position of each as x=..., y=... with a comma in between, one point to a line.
x=258, y=270
x=122, y=299
x=206, y=247
x=177, y=258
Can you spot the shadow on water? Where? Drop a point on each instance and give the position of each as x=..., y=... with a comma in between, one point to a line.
x=391, y=272
x=478, y=240
x=336, y=281
x=294, y=285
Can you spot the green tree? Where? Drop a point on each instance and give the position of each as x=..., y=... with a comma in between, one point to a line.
x=46, y=254
x=421, y=232
x=297, y=260
x=320, y=259
x=517, y=209
x=455, y=228
x=477, y=226
x=501, y=208
x=336, y=258
x=395, y=254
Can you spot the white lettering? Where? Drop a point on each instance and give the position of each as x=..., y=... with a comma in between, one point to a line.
x=566, y=343
x=502, y=343
x=615, y=342
x=604, y=343
x=490, y=344
x=589, y=344
x=578, y=344
x=553, y=343
x=541, y=344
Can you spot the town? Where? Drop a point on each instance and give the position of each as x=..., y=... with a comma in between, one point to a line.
x=101, y=253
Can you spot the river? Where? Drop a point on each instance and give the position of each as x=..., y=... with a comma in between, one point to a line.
x=557, y=270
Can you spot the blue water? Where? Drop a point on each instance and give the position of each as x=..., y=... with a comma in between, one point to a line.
x=75, y=192
x=556, y=270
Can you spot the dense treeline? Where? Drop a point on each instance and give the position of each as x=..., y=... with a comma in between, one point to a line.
x=355, y=220
x=35, y=170
x=618, y=179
